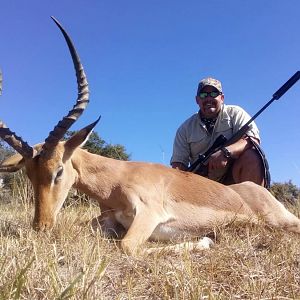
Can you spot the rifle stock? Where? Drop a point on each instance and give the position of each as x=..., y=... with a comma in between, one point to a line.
x=221, y=140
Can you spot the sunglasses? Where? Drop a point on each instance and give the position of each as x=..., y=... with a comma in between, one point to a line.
x=204, y=95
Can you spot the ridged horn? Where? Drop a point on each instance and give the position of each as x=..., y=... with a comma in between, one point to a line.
x=82, y=100
x=15, y=141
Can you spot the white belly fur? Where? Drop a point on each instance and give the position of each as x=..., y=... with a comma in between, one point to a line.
x=184, y=220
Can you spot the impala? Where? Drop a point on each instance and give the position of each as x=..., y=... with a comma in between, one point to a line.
x=144, y=200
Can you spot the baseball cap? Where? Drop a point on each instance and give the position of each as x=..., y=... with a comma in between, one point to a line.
x=209, y=81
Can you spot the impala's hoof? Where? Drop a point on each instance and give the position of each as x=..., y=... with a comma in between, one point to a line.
x=204, y=243
x=42, y=226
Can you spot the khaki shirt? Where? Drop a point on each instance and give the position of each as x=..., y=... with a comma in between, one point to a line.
x=192, y=137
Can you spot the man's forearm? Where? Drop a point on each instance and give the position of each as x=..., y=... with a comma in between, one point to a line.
x=239, y=147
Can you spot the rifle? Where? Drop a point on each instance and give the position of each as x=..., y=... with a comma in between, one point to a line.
x=222, y=141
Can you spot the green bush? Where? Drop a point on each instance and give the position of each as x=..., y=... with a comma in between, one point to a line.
x=285, y=192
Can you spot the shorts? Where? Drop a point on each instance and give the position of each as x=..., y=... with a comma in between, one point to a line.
x=225, y=176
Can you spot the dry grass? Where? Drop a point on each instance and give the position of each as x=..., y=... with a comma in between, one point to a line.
x=248, y=262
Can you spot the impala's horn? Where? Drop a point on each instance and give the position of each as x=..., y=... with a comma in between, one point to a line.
x=83, y=97
x=15, y=141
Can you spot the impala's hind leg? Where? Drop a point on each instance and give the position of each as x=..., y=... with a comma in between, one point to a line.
x=264, y=204
x=281, y=217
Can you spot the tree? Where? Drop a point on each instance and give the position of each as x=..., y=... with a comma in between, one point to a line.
x=5, y=150
x=286, y=192
x=98, y=146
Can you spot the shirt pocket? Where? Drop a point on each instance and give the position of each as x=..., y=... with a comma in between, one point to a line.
x=198, y=145
x=225, y=128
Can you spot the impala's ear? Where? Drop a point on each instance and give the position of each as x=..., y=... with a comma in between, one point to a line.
x=80, y=137
x=12, y=164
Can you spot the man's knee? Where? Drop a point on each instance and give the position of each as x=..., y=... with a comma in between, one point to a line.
x=250, y=156
x=249, y=167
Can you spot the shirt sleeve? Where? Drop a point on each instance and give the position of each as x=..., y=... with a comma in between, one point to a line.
x=181, y=149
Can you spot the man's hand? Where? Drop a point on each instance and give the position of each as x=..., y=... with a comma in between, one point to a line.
x=217, y=161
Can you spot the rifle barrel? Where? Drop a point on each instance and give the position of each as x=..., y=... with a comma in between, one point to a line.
x=287, y=85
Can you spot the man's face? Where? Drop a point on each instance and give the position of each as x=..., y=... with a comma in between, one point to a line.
x=210, y=106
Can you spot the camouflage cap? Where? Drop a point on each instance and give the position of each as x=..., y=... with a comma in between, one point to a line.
x=209, y=81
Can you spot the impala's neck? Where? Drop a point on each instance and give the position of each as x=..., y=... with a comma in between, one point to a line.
x=97, y=175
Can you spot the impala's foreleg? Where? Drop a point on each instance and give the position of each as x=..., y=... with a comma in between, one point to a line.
x=108, y=224
x=143, y=225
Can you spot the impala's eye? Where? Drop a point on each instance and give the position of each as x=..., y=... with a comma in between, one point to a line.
x=59, y=174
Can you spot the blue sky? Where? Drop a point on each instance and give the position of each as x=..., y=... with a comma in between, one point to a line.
x=144, y=60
